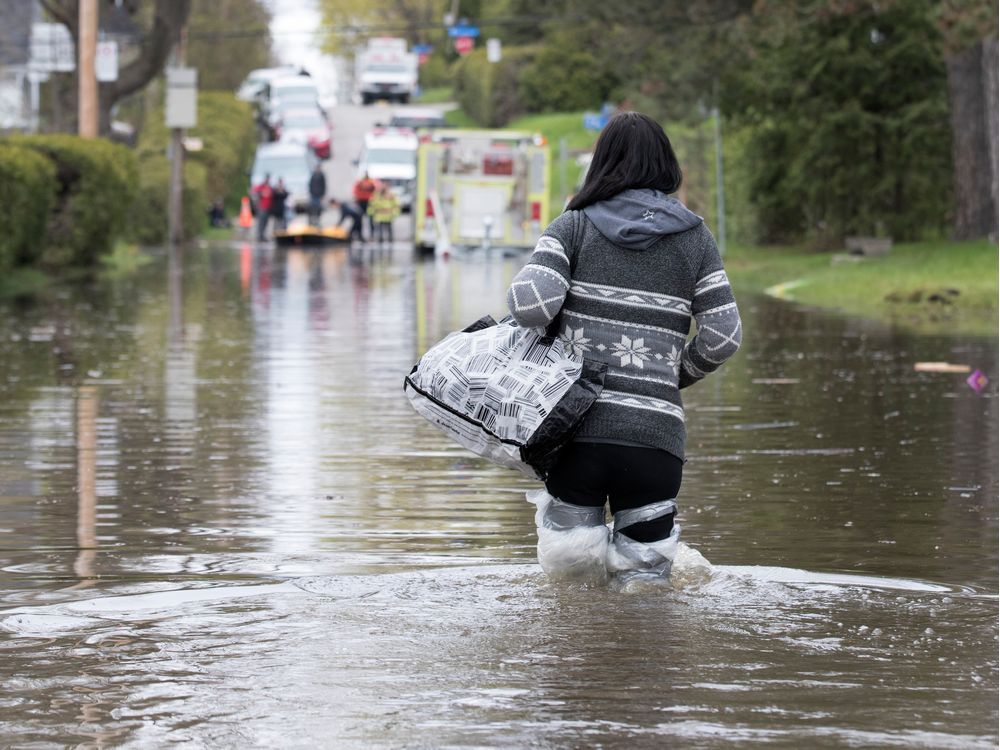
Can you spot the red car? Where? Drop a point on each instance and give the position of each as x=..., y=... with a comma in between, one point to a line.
x=309, y=126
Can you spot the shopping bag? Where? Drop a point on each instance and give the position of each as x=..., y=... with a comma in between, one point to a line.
x=509, y=394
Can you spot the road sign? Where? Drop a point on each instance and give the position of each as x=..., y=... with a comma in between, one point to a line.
x=464, y=44
x=182, y=97
x=595, y=120
x=463, y=30
x=423, y=52
x=52, y=49
x=106, y=61
x=493, y=50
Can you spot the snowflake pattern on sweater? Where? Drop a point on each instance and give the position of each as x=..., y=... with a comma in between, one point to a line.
x=632, y=310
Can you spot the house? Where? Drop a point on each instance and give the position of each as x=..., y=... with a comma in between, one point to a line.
x=16, y=87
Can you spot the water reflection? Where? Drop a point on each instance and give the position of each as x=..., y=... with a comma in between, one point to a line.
x=210, y=482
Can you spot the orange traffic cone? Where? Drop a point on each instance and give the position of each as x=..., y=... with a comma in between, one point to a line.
x=246, y=215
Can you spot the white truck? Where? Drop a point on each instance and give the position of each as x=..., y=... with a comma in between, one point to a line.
x=385, y=70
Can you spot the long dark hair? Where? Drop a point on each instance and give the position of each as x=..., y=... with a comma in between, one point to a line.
x=632, y=152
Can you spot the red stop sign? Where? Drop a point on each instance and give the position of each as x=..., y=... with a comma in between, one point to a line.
x=464, y=44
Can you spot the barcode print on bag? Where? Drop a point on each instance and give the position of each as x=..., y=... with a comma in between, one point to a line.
x=495, y=387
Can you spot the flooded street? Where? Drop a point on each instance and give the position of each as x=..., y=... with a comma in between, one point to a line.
x=222, y=524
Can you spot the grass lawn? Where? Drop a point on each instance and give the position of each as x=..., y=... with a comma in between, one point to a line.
x=435, y=95
x=896, y=288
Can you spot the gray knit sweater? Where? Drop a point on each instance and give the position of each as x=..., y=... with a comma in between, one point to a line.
x=629, y=303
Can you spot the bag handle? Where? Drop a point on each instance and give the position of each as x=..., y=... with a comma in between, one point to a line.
x=552, y=329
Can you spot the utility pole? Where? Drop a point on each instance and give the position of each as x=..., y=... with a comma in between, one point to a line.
x=720, y=190
x=87, y=73
x=175, y=234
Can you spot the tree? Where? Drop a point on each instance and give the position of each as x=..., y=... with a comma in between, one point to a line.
x=350, y=22
x=848, y=113
x=159, y=37
x=226, y=40
x=970, y=53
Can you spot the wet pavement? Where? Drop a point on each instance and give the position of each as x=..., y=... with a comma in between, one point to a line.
x=221, y=524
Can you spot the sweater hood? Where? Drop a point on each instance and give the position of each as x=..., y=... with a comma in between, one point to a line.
x=637, y=219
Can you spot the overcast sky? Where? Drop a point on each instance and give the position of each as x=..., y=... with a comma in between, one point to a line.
x=293, y=29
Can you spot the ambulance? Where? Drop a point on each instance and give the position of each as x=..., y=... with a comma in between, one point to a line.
x=389, y=156
x=480, y=188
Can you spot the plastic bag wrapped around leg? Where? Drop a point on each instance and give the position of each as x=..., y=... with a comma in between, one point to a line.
x=572, y=539
x=632, y=562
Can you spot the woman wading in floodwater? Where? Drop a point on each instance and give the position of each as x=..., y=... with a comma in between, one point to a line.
x=626, y=288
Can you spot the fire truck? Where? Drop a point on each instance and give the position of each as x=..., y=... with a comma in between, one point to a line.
x=480, y=188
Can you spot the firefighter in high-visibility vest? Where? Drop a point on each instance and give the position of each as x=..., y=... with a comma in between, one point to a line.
x=383, y=210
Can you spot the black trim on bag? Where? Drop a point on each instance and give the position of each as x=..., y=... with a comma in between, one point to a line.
x=470, y=420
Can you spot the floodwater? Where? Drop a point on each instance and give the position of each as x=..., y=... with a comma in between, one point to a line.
x=222, y=525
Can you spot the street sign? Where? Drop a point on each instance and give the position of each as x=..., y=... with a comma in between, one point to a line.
x=423, y=52
x=52, y=49
x=182, y=97
x=595, y=120
x=464, y=44
x=493, y=53
x=106, y=61
x=463, y=30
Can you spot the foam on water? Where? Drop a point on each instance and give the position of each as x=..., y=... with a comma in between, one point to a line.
x=692, y=574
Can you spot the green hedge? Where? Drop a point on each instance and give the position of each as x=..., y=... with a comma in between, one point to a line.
x=27, y=193
x=229, y=140
x=563, y=77
x=95, y=182
x=150, y=212
x=529, y=78
x=491, y=92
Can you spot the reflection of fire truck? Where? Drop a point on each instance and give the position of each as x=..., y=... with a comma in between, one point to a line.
x=481, y=187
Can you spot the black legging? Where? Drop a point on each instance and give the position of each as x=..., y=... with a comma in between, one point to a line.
x=626, y=476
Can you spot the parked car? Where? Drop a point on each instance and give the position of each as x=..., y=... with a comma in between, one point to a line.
x=291, y=162
x=279, y=108
x=305, y=125
x=390, y=156
x=286, y=92
x=418, y=118
x=257, y=80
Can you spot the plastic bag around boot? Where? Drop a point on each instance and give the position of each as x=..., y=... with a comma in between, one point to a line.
x=572, y=539
x=630, y=561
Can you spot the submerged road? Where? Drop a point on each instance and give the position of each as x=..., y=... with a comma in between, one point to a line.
x=222, y=525
x=350, y=124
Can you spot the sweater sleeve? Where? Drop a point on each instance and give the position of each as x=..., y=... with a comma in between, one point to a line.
x=720, y=330
x=539, y=289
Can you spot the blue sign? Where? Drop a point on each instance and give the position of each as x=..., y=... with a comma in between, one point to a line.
x=422, y=49
x=595, y=120
x=457, y=31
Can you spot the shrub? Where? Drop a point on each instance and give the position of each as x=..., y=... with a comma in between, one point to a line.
x=563, y=77
x=149, y=215
x=27, y=193
x=229, y=139
x=435, y=72
x=491, y=92
x=474, y=86
x=95, y=181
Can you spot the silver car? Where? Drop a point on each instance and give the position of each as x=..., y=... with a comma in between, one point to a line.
x=291, y=162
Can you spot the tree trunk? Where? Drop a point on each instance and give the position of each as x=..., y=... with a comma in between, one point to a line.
x=990, y=63
x=973, y=142
x=169, y=17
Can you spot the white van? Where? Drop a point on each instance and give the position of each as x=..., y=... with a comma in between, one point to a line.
x=390, y=157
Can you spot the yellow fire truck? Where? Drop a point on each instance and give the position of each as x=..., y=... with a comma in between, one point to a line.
x=480, y=188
